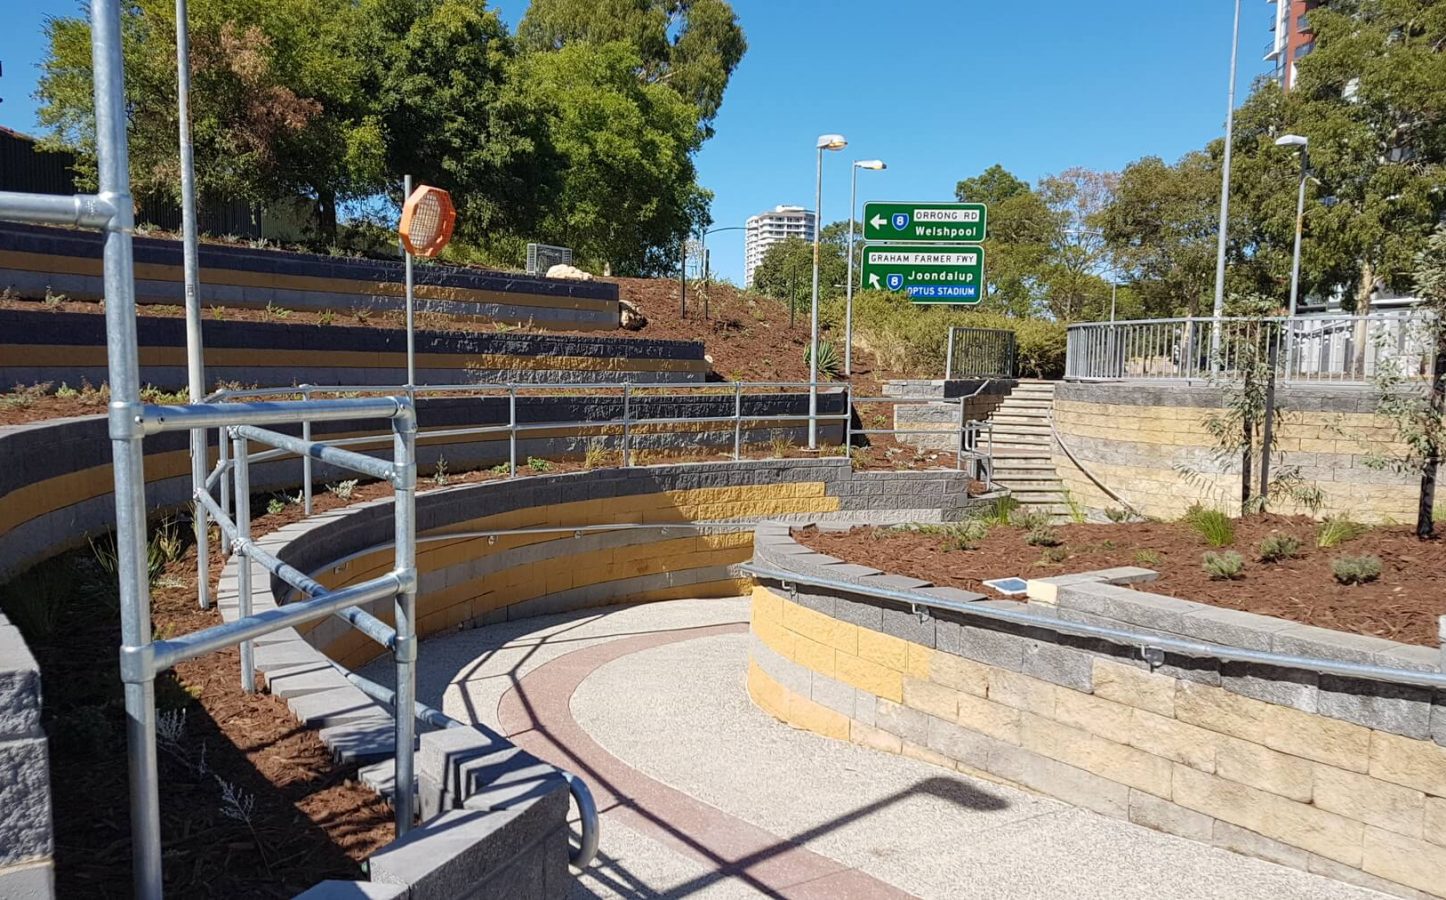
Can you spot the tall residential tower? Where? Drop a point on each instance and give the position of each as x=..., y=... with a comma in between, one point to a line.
x=1292, y=37
x=769, y=228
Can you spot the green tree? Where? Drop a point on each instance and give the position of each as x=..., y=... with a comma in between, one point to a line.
x=1161, y=231
x=628, y=193
x=1021, y=228
x=1371, y=97
x=786, y=272
x=691, y=46
x=1071, y=282
x=277, y=108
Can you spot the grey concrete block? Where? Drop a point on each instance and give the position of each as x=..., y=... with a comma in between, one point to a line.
x=459, y=852
x=992, y=647
x=959, y=744
x=1233, y=628
x=1398, y=709
x=820, y=603
x=1059, y=664
x=286, y=654
x=1307, y=640
x=865, y=708
x=1126, y=605
x=901, y=721
x=362, y=740
x=508, y=780
x=29, y=881
x=354, y=890
x=835, y=695
x=25, y=829
x=297, y=681
x=19, y=684
x=1319, y=865
x=325, y=708
x=909, y=626
x=1295, y=688
x=443, y=756
x=789, y=674
x=1248, y=843
x=860, y=611
x=1162, y=815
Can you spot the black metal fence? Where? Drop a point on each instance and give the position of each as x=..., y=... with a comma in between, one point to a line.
x=980, y=353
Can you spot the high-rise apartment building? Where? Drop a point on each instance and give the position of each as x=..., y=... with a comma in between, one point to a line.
x=769, y=228
x=1292, y=37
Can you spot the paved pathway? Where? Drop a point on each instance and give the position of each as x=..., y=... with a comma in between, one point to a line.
x=704, y=795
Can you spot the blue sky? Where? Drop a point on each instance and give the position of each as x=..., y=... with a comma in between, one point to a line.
x=939, y=89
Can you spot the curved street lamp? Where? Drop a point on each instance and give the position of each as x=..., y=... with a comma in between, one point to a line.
x=825, y=142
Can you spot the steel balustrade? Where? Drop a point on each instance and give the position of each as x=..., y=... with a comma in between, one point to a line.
x=1314, y=349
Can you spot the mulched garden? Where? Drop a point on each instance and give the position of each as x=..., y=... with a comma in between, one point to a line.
x=1401, y=603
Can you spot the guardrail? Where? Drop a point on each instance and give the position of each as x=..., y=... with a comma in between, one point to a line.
x=1342, y=348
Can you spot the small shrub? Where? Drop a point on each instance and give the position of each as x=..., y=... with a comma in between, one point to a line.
x=501, y=469
x=1147, y=557
x=218, y=313
x=277, y=312
x=1116, y=515
x=779, y=443
x=1001, y=512
x=1042, y=536
x=1337, y=530
x=1356, y=569
x=1029, y=519
x=1054, y=555
x=66, y=392
x=53, y=300
x=596, y=456
x=439, y=474
x=326, y=317
x=1277, y=547
x=860, y=458
x=1213, y=525
x=343, y=490
x=275, y=506
x=1076, y=509
x=1224, y=566
x=538, y=464
x=829, y=364
x=964, y=535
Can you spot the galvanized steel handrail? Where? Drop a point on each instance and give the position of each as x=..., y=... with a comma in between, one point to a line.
x=1325, y=348
x=1152, y=646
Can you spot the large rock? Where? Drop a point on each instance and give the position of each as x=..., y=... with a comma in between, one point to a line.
x=630, y=316
x=562, y=270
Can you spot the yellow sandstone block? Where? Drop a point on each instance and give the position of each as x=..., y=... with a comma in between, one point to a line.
x=818, y=627
x=814, y=656
x=1116, y=762
x=1134, y=687
x=778, y=638
x=1330, y=741
x=1264, y=769
x=767, y=606
x=961, y=674
x=1410, y=763
x=804, y=713
x=1173, y=740
x=884, y=649
x=924, y=754
x=992, y=719
x=1096, y=715
x=867, y=675
x=1022, y=692
x=1297, y=824
x=1372, y=801
x=931, y=698
x=767, y=693
x=1405, y=860
x=874, y=738
x=1435, y=829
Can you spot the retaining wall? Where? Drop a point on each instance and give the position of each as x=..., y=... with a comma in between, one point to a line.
x=35, y=259
x=26, y=839
x=982, y=398
x=40, y=346
x=474, y=581
x=1148, y=443
x=1342, y=777
x=55, y=486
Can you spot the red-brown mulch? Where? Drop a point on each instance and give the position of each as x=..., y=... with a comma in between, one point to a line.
x=1403, y=605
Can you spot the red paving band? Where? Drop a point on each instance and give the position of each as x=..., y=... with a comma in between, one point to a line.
x=536, y=714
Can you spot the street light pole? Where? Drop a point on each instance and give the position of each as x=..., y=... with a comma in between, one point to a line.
x=876, y=165
x=1219, y=310
x=825, y=142
x=1295, y=140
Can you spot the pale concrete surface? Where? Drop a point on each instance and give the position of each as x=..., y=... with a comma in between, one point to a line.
x=679, y=713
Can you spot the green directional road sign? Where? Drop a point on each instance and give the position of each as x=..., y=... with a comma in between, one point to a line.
x=932, y=223
x=925, y=274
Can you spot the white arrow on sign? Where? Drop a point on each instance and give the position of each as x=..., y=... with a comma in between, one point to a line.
x=874, y=281
x=878, y=221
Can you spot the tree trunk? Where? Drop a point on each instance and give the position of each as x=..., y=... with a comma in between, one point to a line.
x=1425, y=510
x=326, y=215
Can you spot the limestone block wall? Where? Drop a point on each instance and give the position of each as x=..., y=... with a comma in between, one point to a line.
x=55, y=485
x=35, y=259
x=37, y=346
x=477, y=580
x=1148, y=443
x=26, y=838
x=1340, y=777
x=982, y=399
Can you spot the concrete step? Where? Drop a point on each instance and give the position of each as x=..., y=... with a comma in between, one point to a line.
x=1044, y=403
x=1019, y=419
x=1032, y=463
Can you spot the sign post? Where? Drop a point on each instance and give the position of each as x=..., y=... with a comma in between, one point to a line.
x=925, y=223
x=938, y=274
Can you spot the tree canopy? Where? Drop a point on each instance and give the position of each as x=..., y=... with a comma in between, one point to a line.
x=582, y=130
